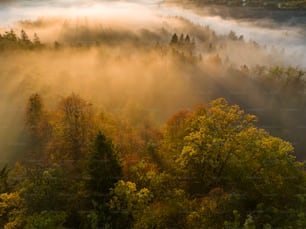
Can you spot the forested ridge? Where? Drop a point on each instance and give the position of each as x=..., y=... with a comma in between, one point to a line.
x=190, y=139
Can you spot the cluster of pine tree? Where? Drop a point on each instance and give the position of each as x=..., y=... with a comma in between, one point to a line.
x=9, y=40
x=184, y=48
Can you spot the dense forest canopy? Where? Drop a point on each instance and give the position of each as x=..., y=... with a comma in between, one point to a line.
x=159, y=124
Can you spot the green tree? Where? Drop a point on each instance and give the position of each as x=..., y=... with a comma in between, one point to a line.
x=4, y=176
x=46, y=219
x=104, y=168
x=38, y=129
x=45, y=190
x=127, y=203
x=103, y=171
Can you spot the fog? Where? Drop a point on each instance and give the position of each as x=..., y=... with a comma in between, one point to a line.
x=286, y=36
x=117, y=53
x=271, y=33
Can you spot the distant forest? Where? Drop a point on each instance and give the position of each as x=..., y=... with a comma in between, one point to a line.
x=274, y=4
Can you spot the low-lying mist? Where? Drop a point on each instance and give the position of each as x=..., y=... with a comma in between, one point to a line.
x=270, y=29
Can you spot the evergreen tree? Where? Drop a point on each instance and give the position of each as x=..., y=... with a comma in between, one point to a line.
x=104, y=168
x=36, y=41
x=181, y=38
x=25, y=40
x=174, y=39
x=11, y=35
x=187, y=39
x=38, y=129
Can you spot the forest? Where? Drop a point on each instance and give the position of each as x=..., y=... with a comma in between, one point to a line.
x=271, y=4
x=167, y=125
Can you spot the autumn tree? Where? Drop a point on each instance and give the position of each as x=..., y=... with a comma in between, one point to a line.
x=75, y=129
x=11, y=210
x=212, y=142
x=173, y=135
x=223, y=149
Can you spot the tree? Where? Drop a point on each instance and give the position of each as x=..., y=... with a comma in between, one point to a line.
x=34, y=112
x=38, y=204
x=174, y=133
x=223, y=149
x=25, y=40
x=187, y=39
x=11, y=36
x=104, y=168
x=181, y=38
x=74, y=131
x=11, y=210
x=44, y=190
x=103, y=171
x=36, y=41
x=4, y=184
x=38, y=129
x=232, y=36
x=212, y=141
x=46, y=219
x=128, y=203
x=174, y=39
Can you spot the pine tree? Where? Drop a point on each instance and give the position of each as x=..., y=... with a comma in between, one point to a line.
x=11, y=35
x=187, y=39
x=36, y=41
x=104, y=168
x=174, y=39
x=24, y=39
x=36, y=126
x=181, y=38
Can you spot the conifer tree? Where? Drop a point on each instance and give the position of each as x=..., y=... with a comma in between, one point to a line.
x=104, y=168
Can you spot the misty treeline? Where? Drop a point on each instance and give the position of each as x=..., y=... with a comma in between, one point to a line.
x=207, y=167
x=9, y=40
